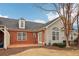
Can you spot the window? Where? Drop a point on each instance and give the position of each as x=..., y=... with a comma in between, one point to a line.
x=55, y=34
x=21, y=36
x=22, y=24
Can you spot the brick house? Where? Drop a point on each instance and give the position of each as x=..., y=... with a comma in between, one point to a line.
x=21, y=31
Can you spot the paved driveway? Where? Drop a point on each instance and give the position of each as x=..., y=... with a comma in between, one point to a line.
x=39, y=52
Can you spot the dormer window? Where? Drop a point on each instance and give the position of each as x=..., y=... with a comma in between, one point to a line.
x=22, y=23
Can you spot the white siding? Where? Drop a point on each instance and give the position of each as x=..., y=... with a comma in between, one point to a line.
x=48, y=33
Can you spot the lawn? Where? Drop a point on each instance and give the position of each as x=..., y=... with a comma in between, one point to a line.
x=39, y=52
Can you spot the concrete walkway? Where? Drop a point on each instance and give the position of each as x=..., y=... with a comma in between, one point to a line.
x=22, y=45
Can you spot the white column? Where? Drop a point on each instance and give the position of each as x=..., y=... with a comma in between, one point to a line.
x=6, y=38
x=40, y=38
x=5, y=42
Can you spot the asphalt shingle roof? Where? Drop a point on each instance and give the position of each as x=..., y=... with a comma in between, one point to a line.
x=13, y=24
x=49, y=22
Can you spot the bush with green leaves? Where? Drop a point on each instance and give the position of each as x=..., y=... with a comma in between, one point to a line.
x=75, y=42
x=61, y=45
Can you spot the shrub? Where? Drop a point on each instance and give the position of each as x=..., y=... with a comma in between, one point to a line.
x=61, y=45
x=49, y=44
x=64, y=41
x=75, y=42
x=45, y=44
x=55, y=44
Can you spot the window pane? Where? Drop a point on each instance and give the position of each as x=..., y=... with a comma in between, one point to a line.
x=21, y=36
x=24, y=34
x=21, y=23
x=55, y=29
x=55, y=35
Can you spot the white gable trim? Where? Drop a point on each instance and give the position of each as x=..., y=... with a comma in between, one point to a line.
x=52, y=22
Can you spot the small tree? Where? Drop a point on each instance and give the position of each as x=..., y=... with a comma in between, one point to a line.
x=78, y=26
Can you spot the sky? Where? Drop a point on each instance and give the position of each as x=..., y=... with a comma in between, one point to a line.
x=26, y=10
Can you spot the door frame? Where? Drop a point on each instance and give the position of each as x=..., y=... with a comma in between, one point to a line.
x=3, y=37
x=39, y=42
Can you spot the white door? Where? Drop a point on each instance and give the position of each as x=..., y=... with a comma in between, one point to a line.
x=40, y=38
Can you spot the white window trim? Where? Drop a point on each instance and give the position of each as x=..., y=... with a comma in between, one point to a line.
x=21, y=37
x=55, y=34
x=20, y=24
x=39, y=34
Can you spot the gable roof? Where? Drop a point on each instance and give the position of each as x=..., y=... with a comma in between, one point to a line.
x=51, y=21
x=13, y=24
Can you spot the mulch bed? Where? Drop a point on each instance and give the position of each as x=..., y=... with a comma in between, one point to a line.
x=58, y=48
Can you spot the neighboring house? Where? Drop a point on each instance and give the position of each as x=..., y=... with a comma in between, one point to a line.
x=14, y=31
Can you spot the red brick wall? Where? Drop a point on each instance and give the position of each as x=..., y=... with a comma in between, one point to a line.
x=43, y=33
x=30, y=39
